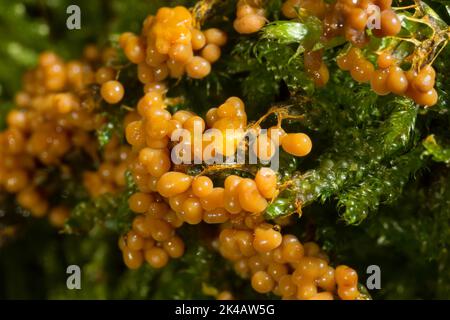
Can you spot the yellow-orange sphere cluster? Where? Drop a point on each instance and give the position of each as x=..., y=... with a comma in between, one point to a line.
x=168, y=198
x=152, y=238
x=182, y=198
x=250, y=16
x=389, y=77
x=51, y=118
x=170, y=45
x=350, y=19
x=196, y=199
x=281, y=264
x=149, y=135
x=110, y=176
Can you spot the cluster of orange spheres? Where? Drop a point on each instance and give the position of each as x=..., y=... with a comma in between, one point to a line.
x=51, y=118
x=152, y=237
x=168, y=198
x=281, y=264
x=390, y=77
x=221, y=134
x=170, y=45
x=149, y=132
x=110, y=177
x=250, y=16
x=349, y=18
x=353, y=19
